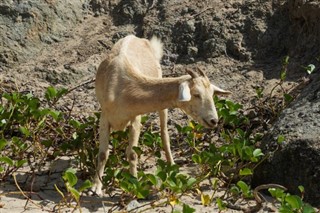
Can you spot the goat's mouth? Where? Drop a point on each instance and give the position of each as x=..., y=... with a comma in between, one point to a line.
x=208, y=124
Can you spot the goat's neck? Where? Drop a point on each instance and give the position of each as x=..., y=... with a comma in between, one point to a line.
x=153, y=94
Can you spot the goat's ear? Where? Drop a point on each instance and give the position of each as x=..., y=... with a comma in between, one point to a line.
x=184, y=92
x=219, y=91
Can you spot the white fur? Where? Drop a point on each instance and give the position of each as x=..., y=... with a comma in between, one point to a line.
x=157, y=47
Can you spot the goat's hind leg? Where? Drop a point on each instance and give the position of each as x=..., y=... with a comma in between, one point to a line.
x=104, y=135
x=134, y=133
x=165, y=135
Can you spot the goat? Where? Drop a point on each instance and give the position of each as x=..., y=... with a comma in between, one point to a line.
x=129, y=83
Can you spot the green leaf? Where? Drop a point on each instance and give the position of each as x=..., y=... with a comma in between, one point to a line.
x=75, y=123
x=294, y=201
x=51, y=93
x=283, y=75
x=47, y=143
x=153, y=179
x=171, y=183
x=221, y=205
x=285, y=209
x=85, y=185
x=162, y=175
x=259, y=92
x=7, y=160
x=75, y=193
x=138, y=150
x=55, y=114
x=20, y=163
x=3, y=143
x=191, y=181
x=157, y=154
x=116, y=172
x=196, y=158
x=245, y=189
x=124, y=186
x=33, y=103
x=24, y=131
x=310, y=68
x=308, y=209
x=277, y=193
x=144, y=119
x=187, y=209
x=61, y=92
x=214, y=183
x=301, y=188
x=235, y=190
x=186, y=129
x=70, y=177
x=286, y=60
x=179, y=128
x=257, y=153
x=280, y=139
x=142, y=193
x=245, y=172
x=288, y=98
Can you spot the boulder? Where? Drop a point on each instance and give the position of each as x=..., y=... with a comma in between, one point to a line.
x=296, y=161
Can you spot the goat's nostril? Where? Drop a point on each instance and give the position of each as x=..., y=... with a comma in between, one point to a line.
x=214, y=121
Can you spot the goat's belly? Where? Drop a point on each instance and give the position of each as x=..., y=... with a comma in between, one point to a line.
x=117, y=123
x=118, y=116
x=119, y=126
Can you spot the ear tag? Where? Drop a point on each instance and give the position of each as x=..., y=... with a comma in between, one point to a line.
x=184, y=92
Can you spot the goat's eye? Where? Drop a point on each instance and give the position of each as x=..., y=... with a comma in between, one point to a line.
x=197, y=95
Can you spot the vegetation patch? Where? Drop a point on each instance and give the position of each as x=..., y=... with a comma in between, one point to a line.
x=35, y=131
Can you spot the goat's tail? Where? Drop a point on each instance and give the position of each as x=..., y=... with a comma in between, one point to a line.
x=157, y=47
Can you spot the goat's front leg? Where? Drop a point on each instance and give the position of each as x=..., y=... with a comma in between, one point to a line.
x=134, y=133
x=104, y=135
x=165, y=135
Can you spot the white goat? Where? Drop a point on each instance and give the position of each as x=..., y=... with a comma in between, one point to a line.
x=129, y=83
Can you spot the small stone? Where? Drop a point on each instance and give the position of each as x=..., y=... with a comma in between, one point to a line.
x=133, y=205
x=192, y=51
x=191, y=25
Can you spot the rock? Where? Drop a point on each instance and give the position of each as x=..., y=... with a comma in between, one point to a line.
x=236, y=50
x=129, y=12
x=256, y=75
x=133, y=205
x=190, y=26
x=192, y=51
x=296, y=161
x=213, y=48
x=30, y=25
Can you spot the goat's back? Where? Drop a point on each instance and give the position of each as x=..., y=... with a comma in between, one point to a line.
x=144, y=55
x=129, y=58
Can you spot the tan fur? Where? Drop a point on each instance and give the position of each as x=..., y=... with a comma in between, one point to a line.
x=129, y=83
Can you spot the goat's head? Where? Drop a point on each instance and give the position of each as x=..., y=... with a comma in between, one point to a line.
x=196, y=98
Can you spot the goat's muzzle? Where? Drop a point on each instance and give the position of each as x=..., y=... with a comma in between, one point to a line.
x=210, y=123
